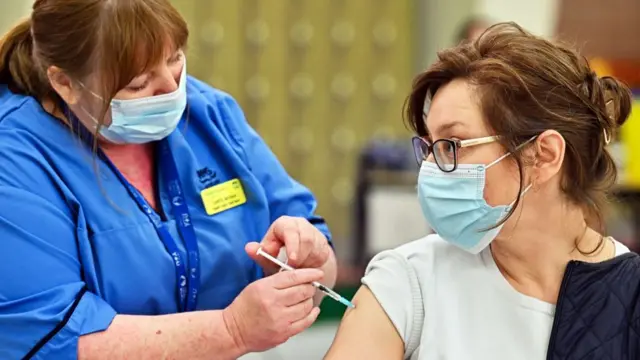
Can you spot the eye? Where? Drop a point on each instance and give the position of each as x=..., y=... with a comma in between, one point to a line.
x=136, y=88
x=176, y=57
x=445, y=151
x=448, y=148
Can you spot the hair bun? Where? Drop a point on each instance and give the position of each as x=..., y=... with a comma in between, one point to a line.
x=617, y=100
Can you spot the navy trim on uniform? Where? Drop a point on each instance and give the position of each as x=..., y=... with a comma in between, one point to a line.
x=316, y=220
x=58, y=327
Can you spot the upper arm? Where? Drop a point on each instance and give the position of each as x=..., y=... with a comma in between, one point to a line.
x=388, y=318
x=366, y=332
x=285, y=195
x=44, y=304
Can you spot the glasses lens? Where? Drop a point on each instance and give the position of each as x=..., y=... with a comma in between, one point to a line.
x=420, y=149
x=444, y=152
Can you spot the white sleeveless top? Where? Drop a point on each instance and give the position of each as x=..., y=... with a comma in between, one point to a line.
x=448, y=304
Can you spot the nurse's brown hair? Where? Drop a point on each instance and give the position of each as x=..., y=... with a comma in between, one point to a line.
x=527, y=85
x=115, y=40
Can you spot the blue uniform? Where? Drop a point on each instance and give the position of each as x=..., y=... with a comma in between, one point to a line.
x=77, y=249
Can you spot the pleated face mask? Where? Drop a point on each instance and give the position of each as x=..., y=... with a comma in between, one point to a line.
x=453, y=204
x=148, y=119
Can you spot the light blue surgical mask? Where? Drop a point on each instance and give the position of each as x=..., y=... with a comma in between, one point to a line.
x=148, y=119
x=454, y=206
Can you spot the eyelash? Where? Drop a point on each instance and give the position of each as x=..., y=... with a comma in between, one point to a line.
x=172, y=60
x=139, y=88
x=176, y=58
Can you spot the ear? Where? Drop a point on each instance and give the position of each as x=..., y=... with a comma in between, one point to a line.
x=549, y=156
x=62, y=84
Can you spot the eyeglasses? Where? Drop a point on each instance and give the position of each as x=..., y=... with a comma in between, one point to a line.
x=445, y=151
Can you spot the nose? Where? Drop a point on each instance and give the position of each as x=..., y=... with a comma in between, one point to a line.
x=168, y=81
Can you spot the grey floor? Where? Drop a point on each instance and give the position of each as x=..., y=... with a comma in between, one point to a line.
x=313, y=343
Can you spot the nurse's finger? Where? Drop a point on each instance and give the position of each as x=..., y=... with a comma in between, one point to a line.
x=302, y=324
x=287, y=279
x=273, y=240
x=306, y=242
x=298, y=311
x=284, y=233
x=296, y=294
x=321, y=251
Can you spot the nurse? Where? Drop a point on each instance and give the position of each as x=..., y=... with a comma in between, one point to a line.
x=132, y=197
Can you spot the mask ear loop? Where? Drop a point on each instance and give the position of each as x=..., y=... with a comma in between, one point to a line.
x=528, y=187
x=90, y=91
x=507, y=154
x=498, y=160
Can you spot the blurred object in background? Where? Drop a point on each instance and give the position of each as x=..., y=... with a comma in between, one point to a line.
x=603, y=29
x=606, y=31
x=538, y=17
x=472, y=28
x=12, y=12
x=317, y=79
x=387, y=213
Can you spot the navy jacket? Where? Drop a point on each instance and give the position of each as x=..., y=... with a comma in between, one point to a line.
x=598, y=311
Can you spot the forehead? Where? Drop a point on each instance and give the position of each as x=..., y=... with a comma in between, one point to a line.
x=455, y=105
x=139, y=60
x=145, y=61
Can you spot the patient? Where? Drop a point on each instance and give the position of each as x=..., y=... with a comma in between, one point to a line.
x=511, y=139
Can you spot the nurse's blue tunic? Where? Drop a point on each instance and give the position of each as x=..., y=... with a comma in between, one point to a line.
x=77, y=249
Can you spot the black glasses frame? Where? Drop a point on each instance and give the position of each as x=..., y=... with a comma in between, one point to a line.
x=418, y=143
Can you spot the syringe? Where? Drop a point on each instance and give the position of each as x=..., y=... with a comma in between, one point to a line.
x=332, y=294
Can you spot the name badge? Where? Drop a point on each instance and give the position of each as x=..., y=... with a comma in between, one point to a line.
x=223, y=197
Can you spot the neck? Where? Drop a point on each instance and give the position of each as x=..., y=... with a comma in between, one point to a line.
x=130, y=158
x=137, y=165
x=533, y=257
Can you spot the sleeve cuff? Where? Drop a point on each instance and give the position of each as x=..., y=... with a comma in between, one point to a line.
x=394, y=284
x=92, y=314
x=321, y=225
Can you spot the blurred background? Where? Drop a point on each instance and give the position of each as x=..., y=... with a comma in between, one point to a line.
x=324, y=81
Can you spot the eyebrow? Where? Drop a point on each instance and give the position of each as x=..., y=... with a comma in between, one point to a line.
x=447, y=127
x=148, y=76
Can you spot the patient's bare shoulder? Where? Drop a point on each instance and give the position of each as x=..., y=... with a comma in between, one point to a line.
x=366, y=332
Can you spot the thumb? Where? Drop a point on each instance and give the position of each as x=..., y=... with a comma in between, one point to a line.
x=252, y=250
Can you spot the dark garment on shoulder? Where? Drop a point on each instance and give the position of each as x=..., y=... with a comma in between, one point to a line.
x=598, y=311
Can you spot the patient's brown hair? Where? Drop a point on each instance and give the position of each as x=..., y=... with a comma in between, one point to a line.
x=527, y=85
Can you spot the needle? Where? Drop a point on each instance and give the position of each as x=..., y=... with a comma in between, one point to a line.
x=332, y=294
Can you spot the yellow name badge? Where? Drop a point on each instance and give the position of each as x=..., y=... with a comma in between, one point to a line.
x=223, y=196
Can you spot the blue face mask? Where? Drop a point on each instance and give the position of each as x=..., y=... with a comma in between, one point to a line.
x=453, y=204
x=144, y=120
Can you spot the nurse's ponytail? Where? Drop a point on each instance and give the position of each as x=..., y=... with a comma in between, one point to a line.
x=18, y=68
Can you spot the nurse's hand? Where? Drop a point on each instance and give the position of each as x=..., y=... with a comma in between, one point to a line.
x=306, y=246
x=271, y=310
